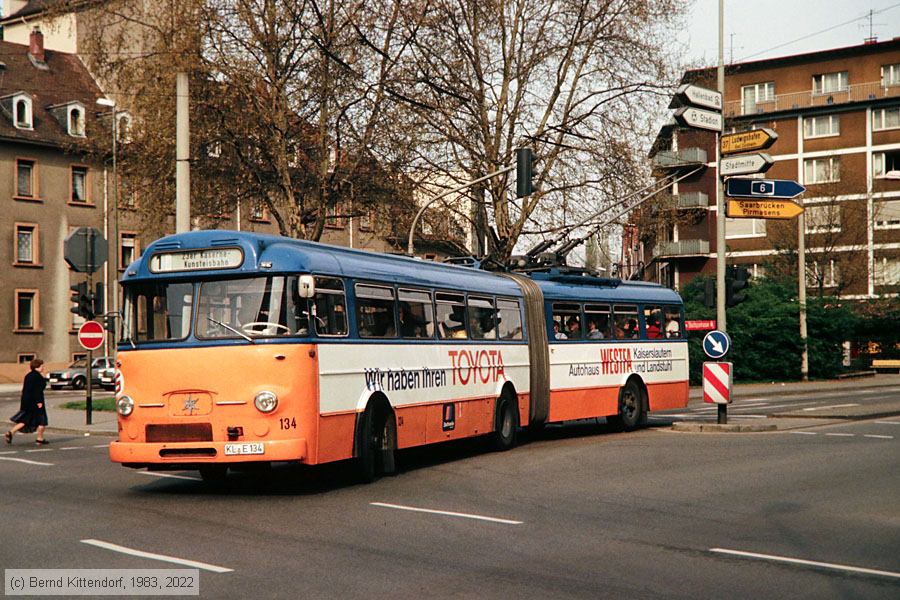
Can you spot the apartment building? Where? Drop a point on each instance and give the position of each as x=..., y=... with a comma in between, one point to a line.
x=837, y=116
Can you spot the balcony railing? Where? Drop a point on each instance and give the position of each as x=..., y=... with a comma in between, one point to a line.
x=681, y=248
x=855, y=93
x=679, y=158
x=692, y=200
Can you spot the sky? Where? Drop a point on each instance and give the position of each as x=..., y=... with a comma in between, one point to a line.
x=770, y=28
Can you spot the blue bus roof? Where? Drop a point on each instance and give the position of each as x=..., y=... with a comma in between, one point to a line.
x=288, y=255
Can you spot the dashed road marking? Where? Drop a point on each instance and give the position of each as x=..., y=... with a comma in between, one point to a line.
x=28, y=462
x=447, y=513
x=804, y=433
x=888, y=422
x=161, y=557
x=800, y=561
x=830, y=406
x=841, y=434
x=880, y=437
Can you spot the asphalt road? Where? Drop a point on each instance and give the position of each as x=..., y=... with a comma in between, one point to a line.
x=578, y=512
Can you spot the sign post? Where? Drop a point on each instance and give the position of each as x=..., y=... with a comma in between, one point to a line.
x=90, y=336
x=716, y=345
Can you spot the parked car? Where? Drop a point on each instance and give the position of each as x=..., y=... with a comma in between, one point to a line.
x=74, y=375
x=108, y=378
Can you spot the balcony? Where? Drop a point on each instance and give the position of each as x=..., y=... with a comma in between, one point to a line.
x=668, y=159
x=861, y=92
x=681, y=249
x=692, y=200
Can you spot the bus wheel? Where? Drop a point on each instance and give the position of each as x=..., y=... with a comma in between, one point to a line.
x=631, y=407
x=214, y=474
x=378, y=444
x=506, y=423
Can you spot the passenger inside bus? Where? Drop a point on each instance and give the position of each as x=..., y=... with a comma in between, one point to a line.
x=653, y=331
x=574, y=328
x=673, y=326
x=557, y=334
x=593, y=332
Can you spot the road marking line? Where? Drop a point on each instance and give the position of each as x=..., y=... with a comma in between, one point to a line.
x=830, y=406
x=101, y=446
x=800, y=561
x=889, y=422
x=841, y=434
x=41, y=450
x=73, y=448
x=880, y=437
x=28, y=462
x=10, y=452
x=161, y=557
x=447, y=513
x=804, y=433
x=155, y=474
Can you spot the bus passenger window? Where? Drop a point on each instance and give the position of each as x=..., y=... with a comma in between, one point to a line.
x=597, y=318
x=450, y=316
x=567, y=321
x=330, y=307
x=481, y=319
x=416, y=314
x=509, y=319
x=673, y=327
x=162, y=311
x=653, y=325
x=375, y=311
x=626, y=322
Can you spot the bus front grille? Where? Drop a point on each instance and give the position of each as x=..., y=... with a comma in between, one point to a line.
x=179, y=432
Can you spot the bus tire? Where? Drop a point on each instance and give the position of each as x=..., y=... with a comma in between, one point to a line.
x=631, y=407
x=377, y=443
x=214, y=475
x=506, y=424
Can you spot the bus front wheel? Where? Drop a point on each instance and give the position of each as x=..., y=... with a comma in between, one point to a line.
x=631, y=407
x=214, y=475
x=377, y=444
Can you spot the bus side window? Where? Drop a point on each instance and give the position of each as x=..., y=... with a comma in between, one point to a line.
x=653, y=325
x=330, y=307
x=626, y=322
x=566, y=321
x=450, y=316
x=481, y=318
x=673, y=327
x=375, y=311
x=509, y=319
x=416, y=314
x=597, y=318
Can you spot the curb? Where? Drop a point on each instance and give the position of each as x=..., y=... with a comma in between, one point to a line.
x=84, y=432
x=723, y=428
x=842, y=417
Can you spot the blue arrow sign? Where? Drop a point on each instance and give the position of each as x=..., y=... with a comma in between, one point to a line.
x=741, y=187
x=716, y=344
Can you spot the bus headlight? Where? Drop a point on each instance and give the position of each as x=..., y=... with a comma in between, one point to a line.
x=265, y=402
x=125, y=405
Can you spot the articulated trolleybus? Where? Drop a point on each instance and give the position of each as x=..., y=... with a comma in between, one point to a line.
x=239, y=348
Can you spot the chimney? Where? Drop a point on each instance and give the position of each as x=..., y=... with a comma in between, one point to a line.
x=36, y=45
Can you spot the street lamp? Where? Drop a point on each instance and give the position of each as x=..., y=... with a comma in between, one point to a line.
x=113, y=240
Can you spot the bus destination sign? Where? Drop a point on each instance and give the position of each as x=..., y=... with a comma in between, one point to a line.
x=197, y=260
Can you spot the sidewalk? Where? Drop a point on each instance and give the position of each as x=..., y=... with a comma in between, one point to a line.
x=64, y=420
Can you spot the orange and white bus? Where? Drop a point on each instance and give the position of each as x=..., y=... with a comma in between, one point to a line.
x=239, y=348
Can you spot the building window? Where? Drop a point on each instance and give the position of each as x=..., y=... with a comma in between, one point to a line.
x=128, y=249
x=365, y=221
x=27, y=248
x=758, y=93
x=757, y=271
x=23, y=113
x=886, y=118
x=887, y=214
x=76, y=122
x=887, y=271
x=79, y=185
x=827, y=83
x=24, y=359
x=884, y=163
x=739, y=228
x=822, y=170
x=123, y=127
x=27, y=310
x=823, y=218
x=821, y=126
x=332, y=217
x=259, y=213
x=824, y=273
x=25, y=178
x=890, y=75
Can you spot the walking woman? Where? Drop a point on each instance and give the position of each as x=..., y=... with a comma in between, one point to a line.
x=32, y=415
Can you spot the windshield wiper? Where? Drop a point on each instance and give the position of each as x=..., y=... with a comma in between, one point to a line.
x=230, y=328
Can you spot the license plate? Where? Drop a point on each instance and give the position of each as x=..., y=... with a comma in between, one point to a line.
x=54, y=380
x=247, y=448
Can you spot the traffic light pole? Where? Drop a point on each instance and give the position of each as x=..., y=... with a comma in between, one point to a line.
x=720, y=204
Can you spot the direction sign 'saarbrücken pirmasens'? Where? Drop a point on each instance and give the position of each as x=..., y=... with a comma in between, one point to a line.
x=746, y=164
x=747, y=141
x=763, y=189
x=699, y=118
x=699, y=96
x=762, y=209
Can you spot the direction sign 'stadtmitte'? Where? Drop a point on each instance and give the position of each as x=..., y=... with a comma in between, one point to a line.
x=746, y=164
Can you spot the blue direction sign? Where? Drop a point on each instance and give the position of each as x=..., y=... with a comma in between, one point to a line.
x=742, y=187
x=716, y=344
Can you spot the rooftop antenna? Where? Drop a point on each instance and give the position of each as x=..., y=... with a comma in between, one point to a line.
x=731, y=38
x=873, y=38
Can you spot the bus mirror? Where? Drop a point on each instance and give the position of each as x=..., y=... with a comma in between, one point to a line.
x=307, y=287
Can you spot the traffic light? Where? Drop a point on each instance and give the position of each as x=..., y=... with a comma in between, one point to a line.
x=736, y=281
x=81, y=298
x=524, y=172
x=98, y=299
x=707, y=296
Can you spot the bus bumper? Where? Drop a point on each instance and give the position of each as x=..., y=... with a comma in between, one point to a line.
x=141, y=454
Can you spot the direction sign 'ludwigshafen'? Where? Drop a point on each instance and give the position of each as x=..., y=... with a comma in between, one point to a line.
x=738, y=187
x=745, y=141
x=697, y=117
x=699, y=96
x=746, y=164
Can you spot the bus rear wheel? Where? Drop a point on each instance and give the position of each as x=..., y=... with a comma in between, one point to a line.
x=506, y=423
x=631, y=407
x=377, y=445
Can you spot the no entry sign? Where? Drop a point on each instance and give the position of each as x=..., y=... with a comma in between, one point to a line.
x=90, y=335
